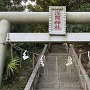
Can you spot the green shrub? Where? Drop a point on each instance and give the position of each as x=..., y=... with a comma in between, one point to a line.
x=12, y=67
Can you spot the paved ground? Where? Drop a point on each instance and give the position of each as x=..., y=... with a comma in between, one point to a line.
x=55, y=76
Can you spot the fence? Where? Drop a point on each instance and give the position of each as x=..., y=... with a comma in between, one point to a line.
x=32, y=82
x=83, y=77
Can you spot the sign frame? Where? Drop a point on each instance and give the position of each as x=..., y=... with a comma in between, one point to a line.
x=61, y=30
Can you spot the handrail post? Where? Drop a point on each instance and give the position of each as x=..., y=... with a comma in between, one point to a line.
x=66, y=47
x=80, y=73
x=79, y=61
x=33, y=60
x=48, y=47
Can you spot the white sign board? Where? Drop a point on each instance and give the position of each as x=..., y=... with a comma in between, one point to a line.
x=57, y=20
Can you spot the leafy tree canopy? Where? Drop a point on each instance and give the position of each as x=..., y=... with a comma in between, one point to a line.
x=43, y=6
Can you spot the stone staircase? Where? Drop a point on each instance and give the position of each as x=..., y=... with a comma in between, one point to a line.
x=55, y=75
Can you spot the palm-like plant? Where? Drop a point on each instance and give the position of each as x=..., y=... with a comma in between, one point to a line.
x=12, y=67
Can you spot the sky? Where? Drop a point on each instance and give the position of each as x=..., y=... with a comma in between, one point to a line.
x=28, y=2
x=25, y=4
x=33, y=3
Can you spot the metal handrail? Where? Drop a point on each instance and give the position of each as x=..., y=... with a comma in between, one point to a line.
x=83, y=77
x=83, y=53
x=31, y=84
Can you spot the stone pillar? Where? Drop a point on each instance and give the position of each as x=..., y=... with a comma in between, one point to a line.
x=4, y=29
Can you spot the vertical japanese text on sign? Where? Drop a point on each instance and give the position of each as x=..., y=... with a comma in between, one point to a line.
x=57, y=20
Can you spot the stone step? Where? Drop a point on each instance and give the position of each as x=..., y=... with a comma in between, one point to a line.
x=58, y=49
x=53, y=58
x=58, y=54
x=53, y=69
x=59, y=85
x=55, y=79
x=59, y=72
x=61, y=79
x=55, y=76
x=64, y=74
x=50, y=79
x=58, y=89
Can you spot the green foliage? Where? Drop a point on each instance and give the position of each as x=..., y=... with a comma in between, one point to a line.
x=89, y=75
x=2, y=5
x=32, y=28
x=42, y=6
x=12, y=67
x=77, y=28
x=6, y=5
